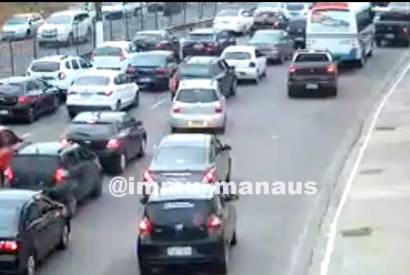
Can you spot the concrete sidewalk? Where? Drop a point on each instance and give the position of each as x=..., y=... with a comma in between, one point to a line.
x=373, y=235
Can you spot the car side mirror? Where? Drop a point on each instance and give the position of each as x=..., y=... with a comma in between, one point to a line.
x=227, y=147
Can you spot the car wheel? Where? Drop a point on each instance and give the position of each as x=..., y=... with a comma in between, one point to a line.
x=31, y=115
x=333, y=92
x=145, y=270
x=292, y=93
x=97, y=190
x=71, y=114
x=28, y=33
x=30, y=266
x=143, y=147
x=234, y=240
x=118, y=165
x=64, y=238
x=174, y=130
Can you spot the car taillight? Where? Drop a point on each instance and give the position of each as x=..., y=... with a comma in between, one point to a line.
x=331, y=68
x=210, y=176
x=293, y=69
x=122, y=55
x=113, y=144
x=60, y=175
x=252, y=65
x=9, y=246
x=176, y=109
x=219, y=109
x=210, y=47
x=132, y=69
x=24, y=100
x=61, y=76
x=9, y=174
x=214, y=223
x=161, y=71
x=145, y=227
x=147, y=176
x=276, y=24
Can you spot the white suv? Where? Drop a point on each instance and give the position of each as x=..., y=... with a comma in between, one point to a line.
x=59, y=70
x=100, y=90
x=66, y=27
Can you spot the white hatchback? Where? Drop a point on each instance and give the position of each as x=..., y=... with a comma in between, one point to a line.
x=114, y=55
x=238, y=21
x=248, y=61
x=100, y=90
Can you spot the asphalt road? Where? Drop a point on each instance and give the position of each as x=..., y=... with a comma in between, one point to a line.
x=273, y=137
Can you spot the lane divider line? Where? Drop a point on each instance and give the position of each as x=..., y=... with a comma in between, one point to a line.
x=26, y=135
x=158, y=103
x=325, y=264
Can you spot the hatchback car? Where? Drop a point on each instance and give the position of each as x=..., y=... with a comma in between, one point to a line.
x=265, y=19
x=32, y=226
x=206, y=67
x=27, y=98
x=198, y=105
x=116, y=137
x=67, y=173
x=238, y=21
x=157, y=40
x=114, y=55
x=100, y=90
x=276, y=45
x=152, y=70
x=187, y=224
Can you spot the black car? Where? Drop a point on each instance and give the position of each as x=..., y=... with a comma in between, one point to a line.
x=312, y=72
x=67, y=173
x=209, y=42
x=297, y=31
x=265, y=19
x=27, y=98
x=32, y=226
x=208, y=67
x=189, y=225
x=394, y=27
x=152, y=70
x=116, y=137
x=157, y=40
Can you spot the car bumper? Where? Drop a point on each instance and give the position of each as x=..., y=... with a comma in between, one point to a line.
x=76, y=109
x=393, y=36
x=197, y=122
x=12, y=35
x=51, y=38
x=8, y=264
x=14, y=112
x=151, y=82
x=248, y=73
x=272, y=54
x=353, y=54
x=305, y=85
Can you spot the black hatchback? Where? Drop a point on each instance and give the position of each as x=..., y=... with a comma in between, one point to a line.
x=116, y=137
x=67, y=173
x=32, y=226
x=156, y=40
x=187, y=225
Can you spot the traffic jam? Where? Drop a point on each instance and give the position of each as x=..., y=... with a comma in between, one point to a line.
x=161, y=107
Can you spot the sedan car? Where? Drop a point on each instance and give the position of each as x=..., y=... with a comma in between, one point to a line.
x=152, y=70
x=190, y=158
x=21, y=26
x=237, y=21
x=32, y=226
x=67, y=173
x=209, y=42
x=100, y=90
x=116, y=137
x=249, y=62
x=206, y=67
x=27, y=98
x=269, y=20
x=187, y=225
x=276, y=45
x=198, y=105
x=156, y=40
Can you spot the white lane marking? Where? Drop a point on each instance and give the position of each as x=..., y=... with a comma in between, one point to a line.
x=325, y=264
x=26, y=135
x=159, y=103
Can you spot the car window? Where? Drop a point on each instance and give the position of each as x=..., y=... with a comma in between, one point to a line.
x=92, y=80
x=220, y=68
x=75, y=64
x=118, y=80
x=237, y=55
x=32, y=214
x=197, y=96
x=43, y=206
x=45, y=66
x=68, y=65
x=32, y=86
x=41, y=85
x=258, y=53
x=179, y=156
x=129, y=121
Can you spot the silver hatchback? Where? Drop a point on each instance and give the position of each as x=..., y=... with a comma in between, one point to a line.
x=198, y=105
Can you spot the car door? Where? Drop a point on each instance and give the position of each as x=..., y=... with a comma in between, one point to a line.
x=50, y=215
x=34, y=90
x=222, y=158
x=125, y=89
x=218, y=159
x=75, y=70
x=78, y=174
x=228, y=76
x=49, y=94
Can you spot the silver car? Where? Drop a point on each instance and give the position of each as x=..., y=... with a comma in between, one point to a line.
x=21, y=26
x=198, y=105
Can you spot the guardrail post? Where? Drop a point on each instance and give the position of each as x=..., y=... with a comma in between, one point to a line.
x=77, y=40
x=35, y=47
x=127, y=31
x=156, y=19
x=11, y=57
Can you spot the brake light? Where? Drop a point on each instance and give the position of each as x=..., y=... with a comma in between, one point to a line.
x=113, y=144
x=252, y=65
x=147, y=176
x=9, y=246
x=122, y=55
x=214, y=223
x=61, y=76
x=162, y=71
x=219, y=109
x=293, y=69
x=24, y=100
x=331, y=68
x=60, y=175
x=9, y=174
x=176, y=109
x=145, y=227
x=210, y=47
x=210, y=176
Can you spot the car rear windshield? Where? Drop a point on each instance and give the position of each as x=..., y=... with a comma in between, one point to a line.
x=83, y=129
x=191, y=213
x=312, y=58
x=197, y=96
x=201, y=37
x=395, y=16
x=45, y=66
x=149, y=60
x=12, y=89
x=9, y=216
x=108, y=51
x=152, y=37
x=92, y=81
x=179, y=156
x=237, y=55
x=35, y=164
x=195, y=70
x=16, y=21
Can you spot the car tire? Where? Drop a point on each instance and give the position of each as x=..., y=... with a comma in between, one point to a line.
x=28, y=33
x=145, y=270
x=71, y=114
x=118, y=164
x=64, y=238
x=174, y=130
x=31, y=115
x=97, y=190
x=234, y=240
x=333, y=92
x=31, y=265
x=72, y=205
x=143, y=147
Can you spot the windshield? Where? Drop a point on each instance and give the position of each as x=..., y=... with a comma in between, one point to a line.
x=295, y=6
x=398, y=5
x=312, y=58
x=330, y=21
x=227, y=13
x=261, y=37
x=197, y=96
x=395, y=16
x=45, y=66
x=201, y=37
x=16, y=21
x=59, y=19
x=179, y=157
x=237, y=55
x=195, y=70
x=92, y=80
x=267, y=15
x=108, y=51
x=149, y=60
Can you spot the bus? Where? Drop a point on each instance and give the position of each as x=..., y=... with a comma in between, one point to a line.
x=345, y=29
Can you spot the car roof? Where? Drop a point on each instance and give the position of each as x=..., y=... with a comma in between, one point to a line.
x=240, y=48
x=120, y=44
x=15, y=79
x=104, y=72
x=103, y=116
x=68, y=12
x=152, y=32
x=198, y=83
x=200, y=140
x=18, y=194
x=155, y=52
x=183, y=191
x=57, y=58
x=205, y=31
x=44, y=148
x=201, y=59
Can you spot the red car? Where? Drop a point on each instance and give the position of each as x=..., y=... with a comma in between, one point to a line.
x=10, y=143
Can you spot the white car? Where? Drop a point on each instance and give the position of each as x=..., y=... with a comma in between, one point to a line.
x=118, y=9
x=114, y=55
x=59, y=70
x=238, y=21
x=272, y=6
x=100, y=90
x=198, y=104
x=66, y=27
x=21, y=26
x=248, y=61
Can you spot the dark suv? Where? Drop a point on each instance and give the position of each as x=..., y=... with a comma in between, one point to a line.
x=208, y=67
x=66, y=172
x=190, y=225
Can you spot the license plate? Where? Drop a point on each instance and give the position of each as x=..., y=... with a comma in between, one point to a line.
x=312, y=86
x=389, y=36
x=299, y=39
x=197, y=124
x=146, y=79
x=179, y=251
x=4, y=112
